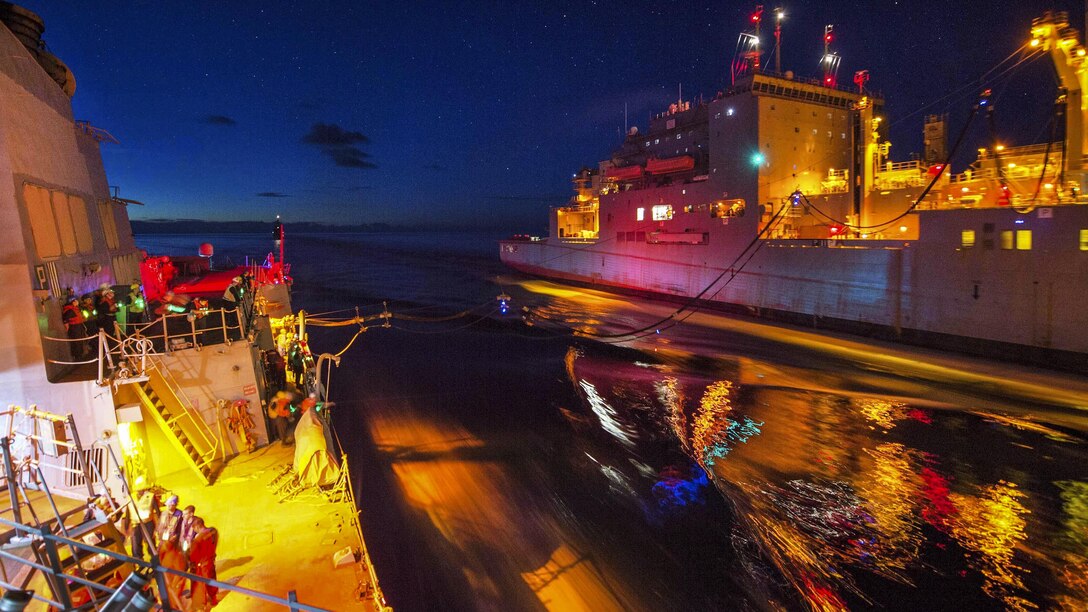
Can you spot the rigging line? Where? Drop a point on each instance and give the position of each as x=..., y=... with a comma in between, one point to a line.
x=1046, y=158
x=447, y=331
x=925, y=192
x=463, y=313
x=967, y=87
x=351, y=342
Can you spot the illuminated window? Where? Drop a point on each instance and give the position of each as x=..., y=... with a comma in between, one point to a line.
x=640, y=214
x=657, y=141
x=1006, y=240
x=662, y=212
x=690, y=208
x=1084, y=240
x=1023, y=240
x=678, y=136
x=967, y=238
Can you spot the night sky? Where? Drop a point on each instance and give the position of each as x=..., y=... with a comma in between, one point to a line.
x=475, y=113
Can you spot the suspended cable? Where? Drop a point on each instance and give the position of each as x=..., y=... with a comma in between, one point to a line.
x=984, y=101
x=732, y=269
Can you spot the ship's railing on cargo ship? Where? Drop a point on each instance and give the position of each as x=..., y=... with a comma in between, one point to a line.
x=52, y=545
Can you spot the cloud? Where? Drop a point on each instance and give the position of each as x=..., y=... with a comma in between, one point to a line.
x=272, y=194
x=331, y=135
x=219, y=120
x=349, y=157
x=339, y=144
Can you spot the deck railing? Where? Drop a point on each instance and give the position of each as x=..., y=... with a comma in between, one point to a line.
x=52, y=543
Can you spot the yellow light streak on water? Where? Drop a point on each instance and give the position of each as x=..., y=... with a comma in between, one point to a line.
x=449, y=476
x=992, y=526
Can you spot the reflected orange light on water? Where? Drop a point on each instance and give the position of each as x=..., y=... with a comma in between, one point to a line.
x=501, y=542
x=881, y=412
x=992, y=526
x=891, y=492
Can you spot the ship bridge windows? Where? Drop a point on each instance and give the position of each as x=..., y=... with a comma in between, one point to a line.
x=661, y=212
x=967, y=238
x=723, y=209
x=640, y=214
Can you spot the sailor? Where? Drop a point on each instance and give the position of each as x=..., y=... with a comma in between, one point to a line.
x=202, y=553
x=143, y=510
x=279, y=410
x=232, y=295
x=86, y=308
x=169, y=526
x=106, y=309
x=136, y=304
x=72, y=316
x=198, y=315
x=188, y=528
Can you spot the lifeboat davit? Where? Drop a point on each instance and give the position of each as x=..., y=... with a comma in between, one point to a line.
x=670, y=165
x=626, y=173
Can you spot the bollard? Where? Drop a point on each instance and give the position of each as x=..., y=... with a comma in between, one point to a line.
x=135, y=583
x=15, y=601
x=141, y=602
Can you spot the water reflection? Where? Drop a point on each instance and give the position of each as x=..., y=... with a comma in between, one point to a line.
x=857, y=500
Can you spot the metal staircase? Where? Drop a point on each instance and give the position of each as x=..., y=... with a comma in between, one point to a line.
x=183, y=426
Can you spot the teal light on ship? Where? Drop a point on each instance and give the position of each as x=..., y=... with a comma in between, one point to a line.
x=758, y=159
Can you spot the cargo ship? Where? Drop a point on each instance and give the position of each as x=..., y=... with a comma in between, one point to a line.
x=171, y=395
x=778, y=198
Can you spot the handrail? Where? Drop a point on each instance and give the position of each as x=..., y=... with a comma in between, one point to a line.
x=51, y=542
x=186, y=411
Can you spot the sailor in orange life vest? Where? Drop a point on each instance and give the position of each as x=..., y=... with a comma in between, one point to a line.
x=202, y=551
x=279, y=410
x=73, y=324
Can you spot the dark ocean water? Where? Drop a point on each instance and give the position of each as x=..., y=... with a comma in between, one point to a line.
x=718, y=466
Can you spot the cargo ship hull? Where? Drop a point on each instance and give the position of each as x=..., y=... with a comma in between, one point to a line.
x=928, y=292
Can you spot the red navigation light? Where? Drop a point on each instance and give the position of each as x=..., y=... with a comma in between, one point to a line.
x=828, y=81
x=827, y=38
x=836, y=230
x=757, y=16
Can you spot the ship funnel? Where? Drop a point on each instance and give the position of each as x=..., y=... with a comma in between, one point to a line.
x=28, y=27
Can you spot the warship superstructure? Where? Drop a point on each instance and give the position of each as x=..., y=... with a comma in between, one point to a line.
x=175, y=403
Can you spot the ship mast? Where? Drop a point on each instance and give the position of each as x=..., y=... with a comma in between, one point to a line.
x=829, y=61
x=779, y=15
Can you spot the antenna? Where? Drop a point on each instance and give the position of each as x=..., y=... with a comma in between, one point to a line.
x=746, y=57
x=779, y=15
